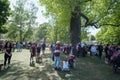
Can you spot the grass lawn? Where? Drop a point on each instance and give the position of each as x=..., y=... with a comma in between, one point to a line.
x=86, y=68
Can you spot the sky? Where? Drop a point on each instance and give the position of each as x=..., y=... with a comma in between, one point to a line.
x=94, y=31
x=41, y=19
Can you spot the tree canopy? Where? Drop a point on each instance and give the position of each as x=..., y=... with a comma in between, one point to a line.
x=4, y=13
x=22, y=21
x=99, y=12
x=104, y=14
x=109, y=35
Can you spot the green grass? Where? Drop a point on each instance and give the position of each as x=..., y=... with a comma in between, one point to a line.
x=86, y=68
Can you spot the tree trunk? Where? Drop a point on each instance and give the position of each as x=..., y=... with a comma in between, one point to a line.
x=75, y=28
x=56, y=35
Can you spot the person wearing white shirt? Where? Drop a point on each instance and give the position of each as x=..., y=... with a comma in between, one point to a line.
x=65, y=66
x=94, y=50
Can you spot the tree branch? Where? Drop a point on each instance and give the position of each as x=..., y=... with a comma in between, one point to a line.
x=86, y=18
x=116, y=25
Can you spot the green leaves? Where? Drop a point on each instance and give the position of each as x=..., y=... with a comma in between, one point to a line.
x=100, y=13
x=4, y=13
x=22, y=21
x=3, y=30
x=109, y=35
x=41, y=31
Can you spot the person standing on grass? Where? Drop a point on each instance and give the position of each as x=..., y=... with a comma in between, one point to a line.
x=13, y=46
x=79, y=49
x=106, y=50
x=43, y=48
x=57, y=55
x=33, y=50
x=89, y=47
x=8, y=54
x=67, y=49
x=100, y=50
x=18, y=47
x=93, y=50
x=38, y=52
x=52, y=48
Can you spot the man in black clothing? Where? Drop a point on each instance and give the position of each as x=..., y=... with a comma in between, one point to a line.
x=8, y=53
x=100, y=50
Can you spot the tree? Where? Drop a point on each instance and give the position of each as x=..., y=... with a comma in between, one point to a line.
x=4, y=13
x=64, y=11
x=92, y=37
x=17, y=19
x=109, y=35
x=80, y=13
x=31, y=17
x=13, y=31
x=41, y=31
x=84, y=34
x=22, y=21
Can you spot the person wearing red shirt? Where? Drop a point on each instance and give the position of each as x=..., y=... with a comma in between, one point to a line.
x=67, y=49
x=57, y=55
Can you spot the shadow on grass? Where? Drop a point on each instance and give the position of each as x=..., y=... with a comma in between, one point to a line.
x=22, y=72
x=85, y=69
x=88, y=68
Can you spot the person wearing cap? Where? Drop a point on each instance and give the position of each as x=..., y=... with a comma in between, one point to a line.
x=57, y=55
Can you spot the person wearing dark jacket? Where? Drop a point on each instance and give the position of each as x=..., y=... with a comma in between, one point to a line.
x=100, y=50
x=8, y=54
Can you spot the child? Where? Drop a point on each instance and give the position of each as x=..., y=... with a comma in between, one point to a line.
x=71, y=60
x=65, y=66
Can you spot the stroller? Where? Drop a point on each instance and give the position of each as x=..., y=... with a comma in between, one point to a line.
x=116, y=64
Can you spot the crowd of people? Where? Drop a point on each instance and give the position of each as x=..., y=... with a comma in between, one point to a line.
x=83, y=50
x=56, y=51
x=112, y=52
x=35, y=50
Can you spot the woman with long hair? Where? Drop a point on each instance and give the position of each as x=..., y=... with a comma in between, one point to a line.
x=8, y=53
